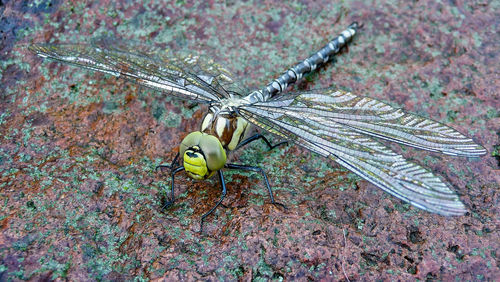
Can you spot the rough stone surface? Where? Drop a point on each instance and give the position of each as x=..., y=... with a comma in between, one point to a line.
x=80, y=198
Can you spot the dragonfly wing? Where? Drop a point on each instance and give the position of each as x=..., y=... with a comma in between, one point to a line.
x=378, y=119
x=311, y=119
x=180, y=77
x=201, y=66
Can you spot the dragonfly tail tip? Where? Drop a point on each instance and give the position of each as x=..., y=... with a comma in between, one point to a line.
x=356, y=25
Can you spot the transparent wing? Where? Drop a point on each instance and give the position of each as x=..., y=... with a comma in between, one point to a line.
x=321, y=122
x=201, y=66
x=183, y=77
x=378, y=119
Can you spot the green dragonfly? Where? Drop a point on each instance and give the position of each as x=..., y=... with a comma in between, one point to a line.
x=338, y=125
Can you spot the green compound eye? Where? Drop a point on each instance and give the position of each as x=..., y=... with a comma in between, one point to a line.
x=203, y=155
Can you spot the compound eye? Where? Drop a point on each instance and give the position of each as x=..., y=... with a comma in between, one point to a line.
x=195, y=163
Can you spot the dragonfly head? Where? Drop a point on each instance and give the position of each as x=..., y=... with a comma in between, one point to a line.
x=202, y=155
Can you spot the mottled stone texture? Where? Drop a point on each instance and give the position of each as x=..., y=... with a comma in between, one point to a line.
x=80, y=198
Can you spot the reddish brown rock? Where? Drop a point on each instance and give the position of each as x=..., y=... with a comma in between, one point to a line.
x=80, y=197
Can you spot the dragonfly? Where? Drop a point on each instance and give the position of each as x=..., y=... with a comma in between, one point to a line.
x=338, y=125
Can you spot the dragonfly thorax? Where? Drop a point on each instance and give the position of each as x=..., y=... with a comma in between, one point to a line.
x=202, y=155
x=226, y=126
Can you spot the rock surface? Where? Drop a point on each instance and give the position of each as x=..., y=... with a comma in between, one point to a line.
x=81, y=199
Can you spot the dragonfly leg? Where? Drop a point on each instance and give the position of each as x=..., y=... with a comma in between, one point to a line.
x=172, y=195
x=259, y=136
x=223, y=183
x=168, y=166
x=257, y=169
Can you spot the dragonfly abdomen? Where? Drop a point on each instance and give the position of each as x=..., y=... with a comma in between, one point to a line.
x=308, y=65
x=229, y=128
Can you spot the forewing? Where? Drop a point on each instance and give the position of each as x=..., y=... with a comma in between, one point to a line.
x=202, y=67
x=318, y=121
x=183, y=77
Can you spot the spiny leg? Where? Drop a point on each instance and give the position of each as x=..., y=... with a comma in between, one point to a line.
x=223, y=183
x=259, y=136
x=257, y=169
x=172, y=195
x=168, y=166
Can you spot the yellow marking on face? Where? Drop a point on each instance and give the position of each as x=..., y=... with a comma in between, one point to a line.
x=202, y=155
x=195, y=165
x=241, y=127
